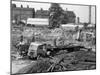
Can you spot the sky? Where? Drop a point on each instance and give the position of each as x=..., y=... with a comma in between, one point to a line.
x=80, y=11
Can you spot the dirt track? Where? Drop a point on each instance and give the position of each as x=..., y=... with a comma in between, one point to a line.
x=19, y=64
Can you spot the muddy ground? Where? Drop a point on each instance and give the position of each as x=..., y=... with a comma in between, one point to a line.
x=20, y=63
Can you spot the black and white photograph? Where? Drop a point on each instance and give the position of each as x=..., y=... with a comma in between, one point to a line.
x=52, y=37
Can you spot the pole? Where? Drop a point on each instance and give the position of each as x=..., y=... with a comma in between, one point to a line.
x=90, y=14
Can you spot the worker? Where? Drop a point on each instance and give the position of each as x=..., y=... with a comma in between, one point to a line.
x=79, y=35
x=20, y=46
x=33, y=38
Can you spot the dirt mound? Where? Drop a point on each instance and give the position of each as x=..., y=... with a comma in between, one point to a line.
x=79, y=60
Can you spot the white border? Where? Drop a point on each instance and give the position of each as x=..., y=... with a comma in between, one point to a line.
x=5, y=37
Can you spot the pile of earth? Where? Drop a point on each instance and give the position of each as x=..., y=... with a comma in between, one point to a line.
x=63, y=61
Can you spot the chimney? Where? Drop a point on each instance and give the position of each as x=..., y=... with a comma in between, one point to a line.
x=66, y=9
x=41, y=9
x=27, y=6
x=21, y=6
x=78, y=20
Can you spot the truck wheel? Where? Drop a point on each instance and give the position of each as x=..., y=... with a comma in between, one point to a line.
x=32, y=58
x=29, y=57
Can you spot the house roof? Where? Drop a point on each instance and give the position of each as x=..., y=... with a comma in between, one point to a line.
x=71, y=13
x=42, y=12
x=18, y=8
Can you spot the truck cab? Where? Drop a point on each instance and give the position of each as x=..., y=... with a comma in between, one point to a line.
x=37, y=49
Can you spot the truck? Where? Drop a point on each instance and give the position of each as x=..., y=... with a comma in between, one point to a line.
x=37, y=49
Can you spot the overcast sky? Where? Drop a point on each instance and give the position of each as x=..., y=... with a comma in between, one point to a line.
x=80, y=11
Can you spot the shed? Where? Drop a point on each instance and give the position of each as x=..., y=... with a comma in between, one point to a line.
x=38, y=21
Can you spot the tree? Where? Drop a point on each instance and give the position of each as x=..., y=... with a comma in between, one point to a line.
x=55, y=12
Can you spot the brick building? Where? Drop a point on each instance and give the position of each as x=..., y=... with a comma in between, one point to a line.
x=42, y=13
x=21, y=13
x=69, y=16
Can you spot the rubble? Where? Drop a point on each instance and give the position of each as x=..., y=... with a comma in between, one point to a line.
x=63, y=61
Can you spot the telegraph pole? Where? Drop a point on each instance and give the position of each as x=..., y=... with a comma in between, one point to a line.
x=90, y=14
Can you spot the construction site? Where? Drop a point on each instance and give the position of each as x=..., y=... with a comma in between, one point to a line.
x=56, y=43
